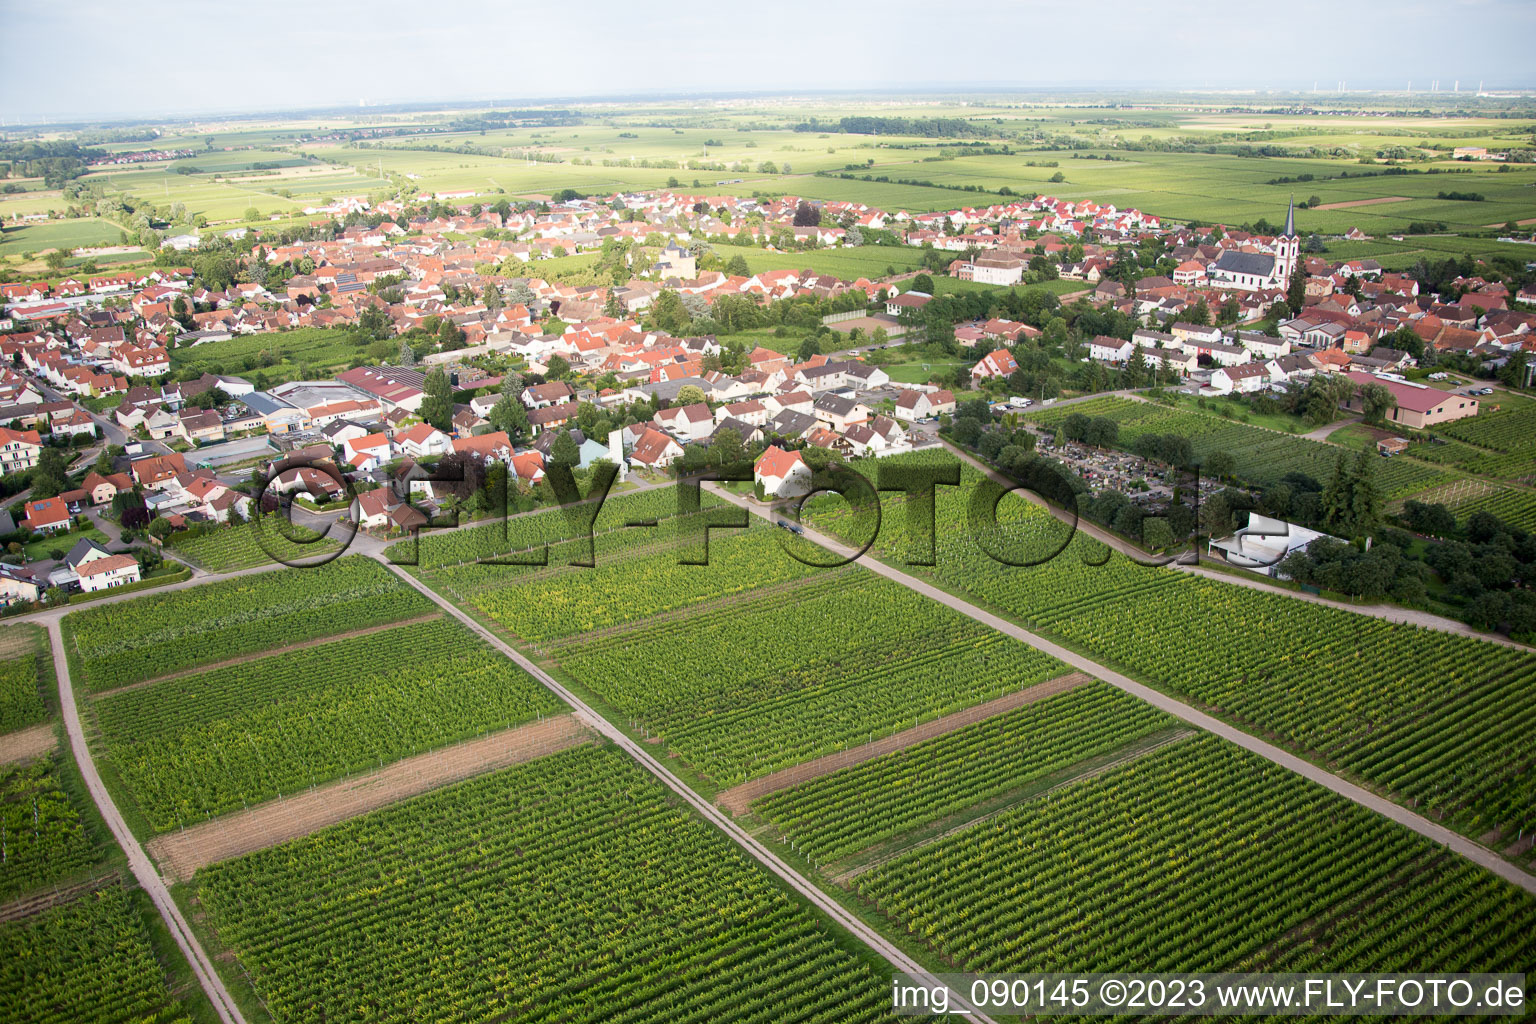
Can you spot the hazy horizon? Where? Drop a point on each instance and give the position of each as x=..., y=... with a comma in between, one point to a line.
x=120, y=64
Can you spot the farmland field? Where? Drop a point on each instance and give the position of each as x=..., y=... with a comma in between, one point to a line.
x=1431, y=717
x=846, y=811
x=46, y=841
x=25, y=673
x=85, y=962
x=1200, y=857
x=203, y=744
x=238, y=546
x=645, y=914
x=276, y=355
x=152, y=636
x=65, y=234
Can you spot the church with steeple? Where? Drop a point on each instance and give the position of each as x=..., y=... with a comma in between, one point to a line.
x=1261, y=271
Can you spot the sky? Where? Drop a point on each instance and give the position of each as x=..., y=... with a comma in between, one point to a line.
x=90, y=59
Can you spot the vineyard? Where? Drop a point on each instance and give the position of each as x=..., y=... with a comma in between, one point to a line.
x=1509, y=434
x=567, y=889
x=200, y=745
x=521, y=532
x=228, y=548
x=637, y=574
x=1201, y=857
x=84, y=962
x=153, y=636
x=1441, y=720
x=43, y=839
x=1513, y=505
x=842, y=813
x=1260, y=456
x=745, y=687
x=25, y=669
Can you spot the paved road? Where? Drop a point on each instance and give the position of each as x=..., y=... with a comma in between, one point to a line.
x=871, y=938
x=1475, y=852
x=148, y=878
x=1386, y=612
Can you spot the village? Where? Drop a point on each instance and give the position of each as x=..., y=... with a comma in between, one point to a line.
x=91, y=363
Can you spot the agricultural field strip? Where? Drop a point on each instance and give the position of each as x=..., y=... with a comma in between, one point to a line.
x=182, y=852
x=270, y=652
x=801, y=885
x=225, y=739
x=738, y=798
x=1456, y=842
x=138, y=862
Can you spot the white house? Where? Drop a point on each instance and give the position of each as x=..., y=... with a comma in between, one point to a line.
x=687, y=422
x=423, y=440
x=1105, y=349
x=365, y=453
x=105, y=573
x=1245, y=378
x=781, y=474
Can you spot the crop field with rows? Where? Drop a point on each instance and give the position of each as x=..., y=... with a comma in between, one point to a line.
x=238, y=547
x=1509, y=437
x=1441, y=720
x=743, y=688
x=84, y=962
x=153, y=636
x=43, y=839
x=521, y=532
x=24, y=672
x=197, y=746
x=849, y=810
x=636, y=576
x=1261, y=456
x=1201, y=857
x=566, y=889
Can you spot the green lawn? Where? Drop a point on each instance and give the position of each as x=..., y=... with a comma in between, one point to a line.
x=38, y=550
x=70, y=234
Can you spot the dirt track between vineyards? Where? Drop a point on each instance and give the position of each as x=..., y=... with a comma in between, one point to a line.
x=738, y=798
x=180, y=854
x=26, y=744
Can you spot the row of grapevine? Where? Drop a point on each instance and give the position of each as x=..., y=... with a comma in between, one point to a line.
x=640, y=579
x=197, y=746
x=1201, y=857
x=43, y=838
x=237, y=546
x=85, y=962
x=1440, y=719
x=566, y=889
x=745, y=686
x=1511, y=433
x=24, y=673
x=842, y=813
x=1260, y=456
x=151, y=636
x=528, y=530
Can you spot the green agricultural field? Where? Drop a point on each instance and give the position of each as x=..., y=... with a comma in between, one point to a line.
x=646, y=914
x=163, y=633
x=1255, y=869
x=212, y=742
x=1430, y=717
x=26, y=676
x=277, y=356
x=65, y=234
x=89, y=961
x=47, y=840
x=238, y=546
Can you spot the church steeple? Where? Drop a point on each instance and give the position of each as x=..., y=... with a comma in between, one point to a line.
x=1290, y=220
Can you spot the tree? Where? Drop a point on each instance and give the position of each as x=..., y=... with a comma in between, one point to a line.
x=806, y=215
x=50, y=477
x=1336, y=510
x=1058, y=178
x=1296, y=292
x=689, y=394
x=1364, y=497
x=491, y=297
x=509, y=415
x=55, y=259
x=1216, y=516
x=1376, y=401
x=407, y=354
x=557, y=368
x=736, y=266
x=808, y=348
x=564, y=452
x=437, y=404
x=1219, y=465
x=667, y=312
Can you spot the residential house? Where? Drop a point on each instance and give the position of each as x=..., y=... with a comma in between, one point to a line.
x=47, y=515
x=781, y=474
x=106, y=573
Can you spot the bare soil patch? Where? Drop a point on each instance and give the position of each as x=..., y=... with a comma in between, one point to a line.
x=37, y=902
x=738, y=798
x=180, y=854
x=1362, y=202
x=27, y=744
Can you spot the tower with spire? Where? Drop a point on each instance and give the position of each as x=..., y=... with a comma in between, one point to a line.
x=1287, y=247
